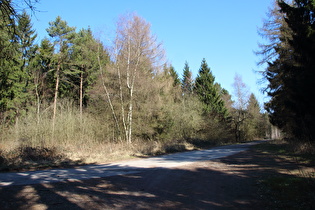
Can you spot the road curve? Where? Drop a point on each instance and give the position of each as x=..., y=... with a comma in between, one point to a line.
x=121, y=168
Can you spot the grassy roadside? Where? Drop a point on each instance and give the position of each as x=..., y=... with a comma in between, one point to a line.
x=31, y=144
x=26, y=157
x=293, y=185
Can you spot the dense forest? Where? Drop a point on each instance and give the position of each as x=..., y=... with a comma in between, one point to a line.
x=72, y=89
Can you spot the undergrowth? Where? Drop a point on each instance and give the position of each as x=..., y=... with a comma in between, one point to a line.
x=30, y=142
x=39, y=157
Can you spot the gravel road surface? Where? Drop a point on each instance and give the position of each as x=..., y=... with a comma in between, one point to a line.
x=120, y=168
x=223, y=177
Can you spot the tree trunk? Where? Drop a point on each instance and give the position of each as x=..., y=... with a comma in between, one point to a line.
x=81, y=96
x=55, y=99
x=107, y=93
x=122, y=104
x=37, y=101
x=130, y=116
x=131, y=90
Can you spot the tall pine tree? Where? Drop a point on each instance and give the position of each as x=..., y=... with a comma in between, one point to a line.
x=62, y=35
x=84, y=61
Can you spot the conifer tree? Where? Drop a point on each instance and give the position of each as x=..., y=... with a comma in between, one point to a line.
x=85, y=62
x=207, y=91
x=253, y=106
x=62, y=35
x=41, y=79
x=8, y=52
x=174, y=75
x=17, y=51
x=291, y=73
x=253, y=121
x=187, y=80
x=26, y=39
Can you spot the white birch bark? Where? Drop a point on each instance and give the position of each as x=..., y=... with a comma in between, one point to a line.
x=135, y=53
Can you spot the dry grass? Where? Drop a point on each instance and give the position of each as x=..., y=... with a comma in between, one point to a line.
x=30, y=143
x=37, y=157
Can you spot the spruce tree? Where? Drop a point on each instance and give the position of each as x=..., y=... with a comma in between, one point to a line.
x=253, y=106
x=187, y=80
x=207, y=91
x=8, y=52
x=26, y=39
x=174, y=75
x=253, y=121
x=17, y=50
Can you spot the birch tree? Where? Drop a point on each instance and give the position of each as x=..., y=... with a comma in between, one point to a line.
x=239, y=114
x=136, y=55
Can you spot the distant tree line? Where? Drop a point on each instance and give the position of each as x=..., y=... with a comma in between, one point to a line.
x=128, y=88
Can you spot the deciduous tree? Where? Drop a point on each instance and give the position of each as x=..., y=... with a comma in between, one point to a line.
x=136, y=56
x=239, y=114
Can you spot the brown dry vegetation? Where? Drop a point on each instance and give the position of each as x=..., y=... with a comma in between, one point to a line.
x=39, y=157
x=29, y=145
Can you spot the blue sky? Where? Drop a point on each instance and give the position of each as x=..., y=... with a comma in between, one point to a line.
x=222, y=32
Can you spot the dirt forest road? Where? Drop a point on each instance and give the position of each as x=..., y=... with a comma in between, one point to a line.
x=219, y=178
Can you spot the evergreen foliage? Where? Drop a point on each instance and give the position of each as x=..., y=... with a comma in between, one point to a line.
x=17, y=49
x=291, y=73
x=84, y=63
x=187, y=80
x=7, y=52
x=62, y=37
x=253, y=106
x=253, y=124
x=174, y=75
x=41, y=70
x=207, y=91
